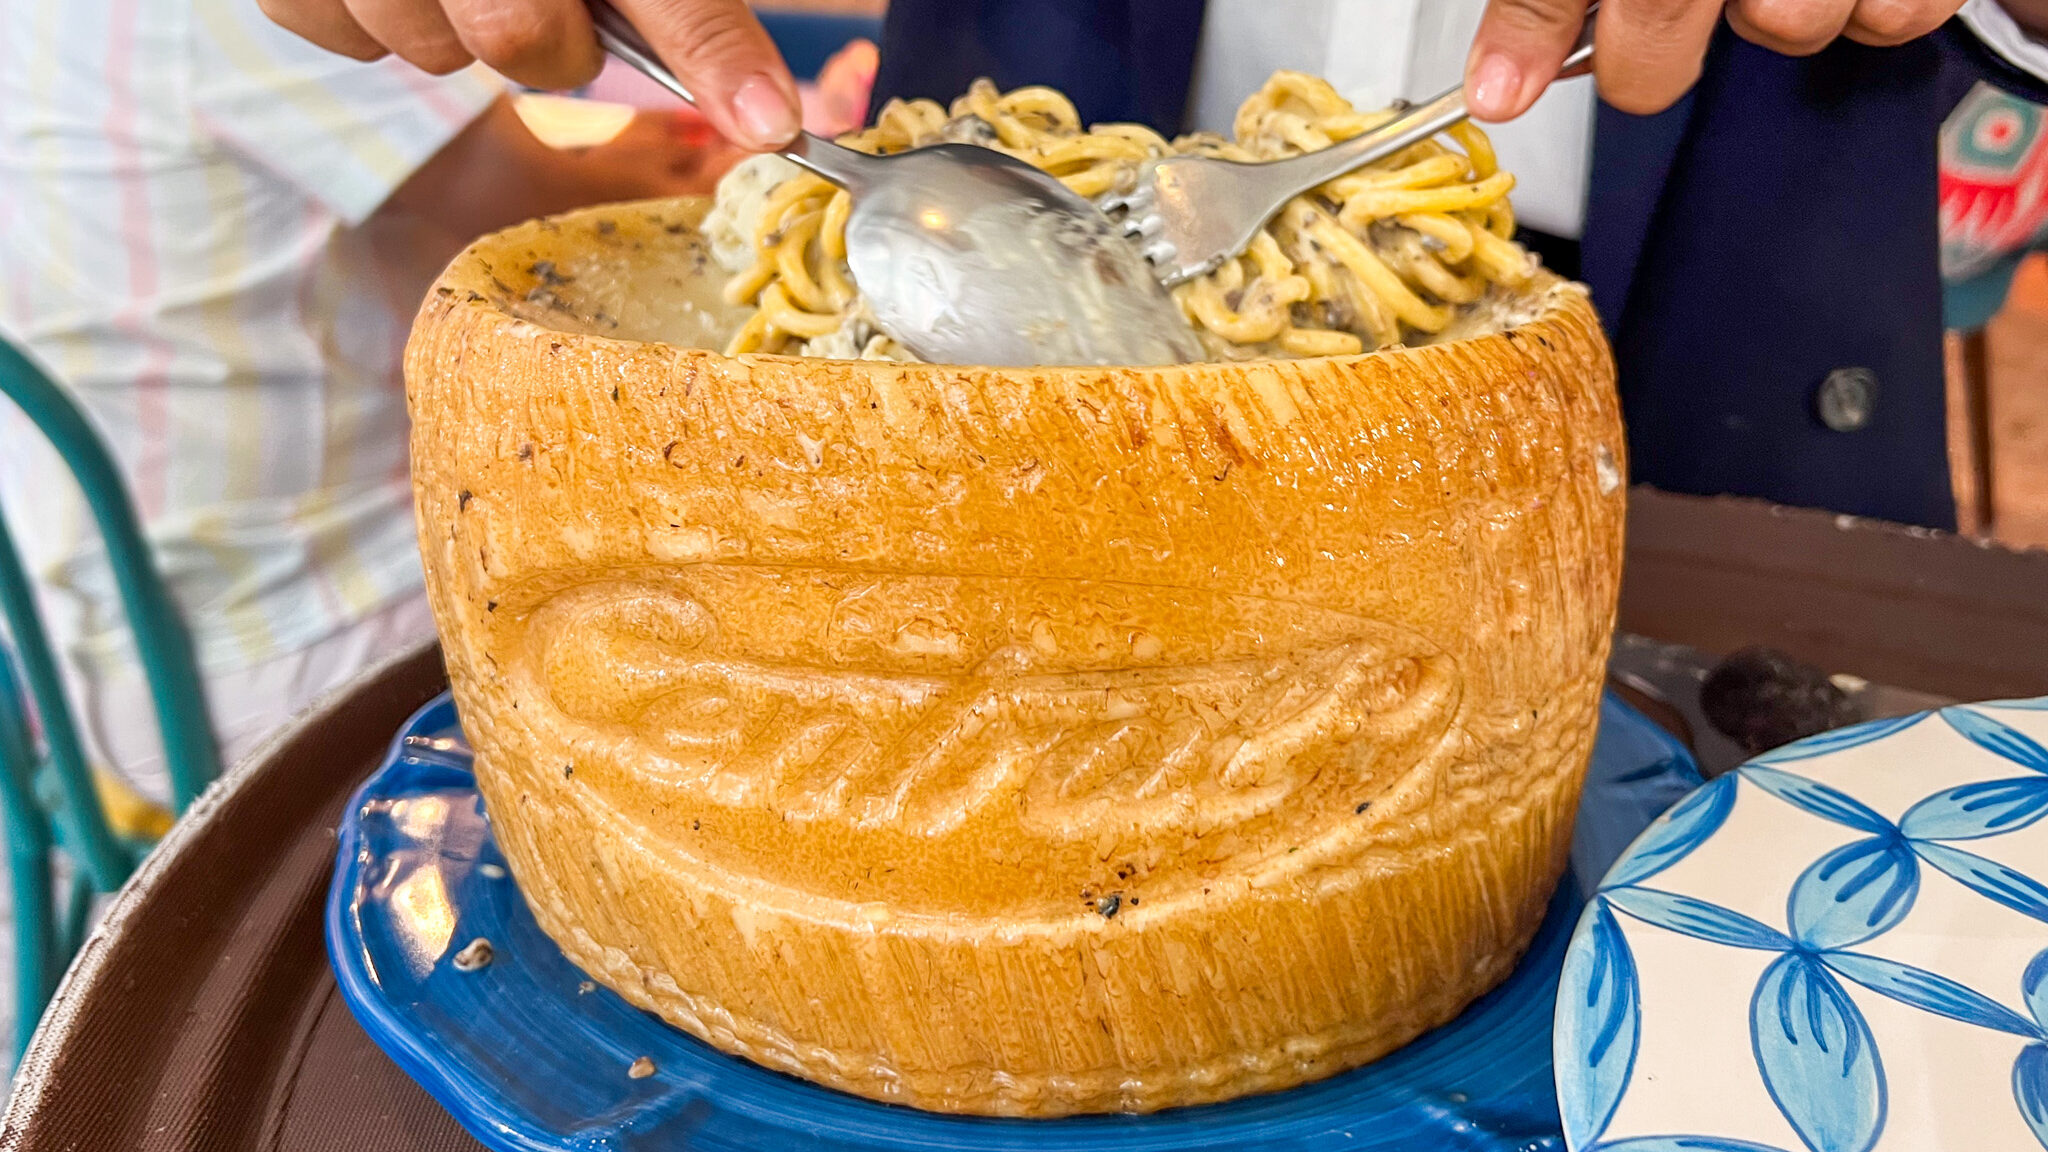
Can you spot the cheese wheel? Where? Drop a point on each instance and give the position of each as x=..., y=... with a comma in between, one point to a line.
x=1013, y=741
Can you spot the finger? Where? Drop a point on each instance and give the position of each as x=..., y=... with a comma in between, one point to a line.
x=416, y=32
x=844, y=84
x=723, y=55
x=1886, y=22
x=326, y=23
x=852, y=68
x=1791, y=27
x=1517, y=52
x=1647, y=53
x=540, y=43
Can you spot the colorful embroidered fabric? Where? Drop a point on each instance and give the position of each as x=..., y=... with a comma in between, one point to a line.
x=1994, y=199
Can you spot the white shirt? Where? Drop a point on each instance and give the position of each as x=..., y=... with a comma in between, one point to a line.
x=1377, y=51
x=1994, y=26
x=182, y=185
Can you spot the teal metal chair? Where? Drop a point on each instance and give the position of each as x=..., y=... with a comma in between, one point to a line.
x=46, y=786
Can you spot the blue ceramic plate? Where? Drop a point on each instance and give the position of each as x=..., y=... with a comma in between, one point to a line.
x=1841, y=946
x=527, y=1055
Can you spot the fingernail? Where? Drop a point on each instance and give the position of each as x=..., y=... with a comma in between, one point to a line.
x=763, y=114
x=1495, y=84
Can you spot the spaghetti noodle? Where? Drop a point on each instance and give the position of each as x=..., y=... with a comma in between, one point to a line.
x=1386, y=254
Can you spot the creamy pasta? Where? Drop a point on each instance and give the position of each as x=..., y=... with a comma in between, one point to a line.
x=1390, y=253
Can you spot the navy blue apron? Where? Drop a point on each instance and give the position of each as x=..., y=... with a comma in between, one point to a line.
x=1764, y=240
x=1765, y=254
x=1121, y=60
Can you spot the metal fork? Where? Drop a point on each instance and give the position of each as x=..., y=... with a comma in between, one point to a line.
x=1188, y=214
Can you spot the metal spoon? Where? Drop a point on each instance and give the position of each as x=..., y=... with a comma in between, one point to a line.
x=969, y=256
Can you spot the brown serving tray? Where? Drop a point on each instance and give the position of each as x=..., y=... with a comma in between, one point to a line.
x=201, y=1015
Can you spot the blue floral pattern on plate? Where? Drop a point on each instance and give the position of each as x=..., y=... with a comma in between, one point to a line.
x=529, y=1056
x=1652, y=1050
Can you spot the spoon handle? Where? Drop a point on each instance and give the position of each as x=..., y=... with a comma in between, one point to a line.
x=615, y=34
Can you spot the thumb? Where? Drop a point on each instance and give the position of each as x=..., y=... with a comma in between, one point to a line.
x=1517, y=52
x=722, y=55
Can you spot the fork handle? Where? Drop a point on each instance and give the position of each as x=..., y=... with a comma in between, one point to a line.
x=1411, y=127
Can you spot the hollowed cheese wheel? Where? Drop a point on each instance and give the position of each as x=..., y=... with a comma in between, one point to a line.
x=1013, y=741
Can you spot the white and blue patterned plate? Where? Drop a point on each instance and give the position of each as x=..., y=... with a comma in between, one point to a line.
x=1842, y=946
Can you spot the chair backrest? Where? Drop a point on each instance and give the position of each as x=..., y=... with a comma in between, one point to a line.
x=48, y=791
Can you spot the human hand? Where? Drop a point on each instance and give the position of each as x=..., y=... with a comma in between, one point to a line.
x=838, y=102
x=716, y=47
x=1647, y=53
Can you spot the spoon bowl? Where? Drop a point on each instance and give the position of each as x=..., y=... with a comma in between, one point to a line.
x=968, y=255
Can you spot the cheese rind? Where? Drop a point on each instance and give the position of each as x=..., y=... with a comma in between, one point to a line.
x=1018, y=742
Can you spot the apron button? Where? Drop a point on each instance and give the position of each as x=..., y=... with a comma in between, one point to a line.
x=1847, y=399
